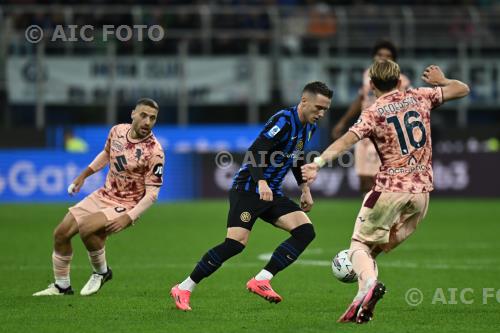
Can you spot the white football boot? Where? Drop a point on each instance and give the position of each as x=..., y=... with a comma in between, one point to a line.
x=95, y=283
x=54, y=290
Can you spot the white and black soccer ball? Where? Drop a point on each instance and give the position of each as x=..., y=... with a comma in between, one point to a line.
x=342, y=267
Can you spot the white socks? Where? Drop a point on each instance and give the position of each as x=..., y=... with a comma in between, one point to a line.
x=98, y=261
x=264, y=275
x=187, y=284
x=63, y=282
x=61, y=267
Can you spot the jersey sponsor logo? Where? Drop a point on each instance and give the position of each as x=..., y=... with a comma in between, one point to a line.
x=158, y=170
x=119, y=209
x=116, y=146
x=419, y=168
x=245, y=217
x=273, y=131
x=121, y=162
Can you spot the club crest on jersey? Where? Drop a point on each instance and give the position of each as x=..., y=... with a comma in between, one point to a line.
x=245, y=217
x=299, y=145
x=273, y=131
x=138, y=154
x=116, y=145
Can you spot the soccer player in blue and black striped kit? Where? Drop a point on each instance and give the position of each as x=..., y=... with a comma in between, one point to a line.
x=256, y=192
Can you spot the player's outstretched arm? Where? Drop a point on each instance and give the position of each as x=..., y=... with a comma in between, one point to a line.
x=353, y=112
x=452, y=89
x=99, y=162
x=310, y=171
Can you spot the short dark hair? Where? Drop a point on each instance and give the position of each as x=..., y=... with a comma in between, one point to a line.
x=385, y=44
x=318, y=87
x=148, y=102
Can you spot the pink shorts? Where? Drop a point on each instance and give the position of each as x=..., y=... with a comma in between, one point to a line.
x=95, y=203
x=386, y=219
x=366, y=160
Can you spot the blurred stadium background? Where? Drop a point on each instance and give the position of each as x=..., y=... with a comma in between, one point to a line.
x=221, y=69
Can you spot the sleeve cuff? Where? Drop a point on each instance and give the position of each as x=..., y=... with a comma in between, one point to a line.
x=356, y=132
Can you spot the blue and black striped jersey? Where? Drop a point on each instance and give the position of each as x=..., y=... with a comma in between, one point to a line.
x=284, y=139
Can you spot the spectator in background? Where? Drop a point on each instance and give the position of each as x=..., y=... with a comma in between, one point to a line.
x=321, y=26
x=322, y=22
x=74, y=144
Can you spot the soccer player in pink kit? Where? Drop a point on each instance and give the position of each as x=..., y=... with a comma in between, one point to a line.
x=366, y=160
x=132, y=185
x=399, y=126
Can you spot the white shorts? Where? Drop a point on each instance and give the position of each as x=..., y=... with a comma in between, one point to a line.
x=388, y=218
x=95, y=203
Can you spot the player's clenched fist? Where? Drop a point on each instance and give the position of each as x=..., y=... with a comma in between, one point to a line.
x=265, y=191
x=433, y=75
x=306, y=200
x=76, y=185
x=310, y=172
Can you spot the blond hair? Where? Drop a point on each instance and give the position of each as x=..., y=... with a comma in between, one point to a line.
x=384, y=74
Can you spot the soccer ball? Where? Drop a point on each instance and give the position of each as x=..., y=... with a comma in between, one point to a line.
x=342, y=267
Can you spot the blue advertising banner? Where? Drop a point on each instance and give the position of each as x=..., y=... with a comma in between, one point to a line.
x=44, y=176
x=193, y=138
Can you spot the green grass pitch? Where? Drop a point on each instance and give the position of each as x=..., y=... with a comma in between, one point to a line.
x=456, y=246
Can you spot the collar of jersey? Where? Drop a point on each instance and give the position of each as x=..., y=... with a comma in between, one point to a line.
x=129, y=139
x=389, y=93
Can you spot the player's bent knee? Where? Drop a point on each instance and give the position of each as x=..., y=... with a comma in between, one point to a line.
x=61, y=236
x=304, y=233
x=238, y=234
x=230, y=248
x=241, y=240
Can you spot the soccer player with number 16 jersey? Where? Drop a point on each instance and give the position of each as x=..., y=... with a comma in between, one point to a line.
x=398, y=123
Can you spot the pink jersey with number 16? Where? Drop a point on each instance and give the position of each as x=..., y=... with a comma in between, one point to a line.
x=398, y=124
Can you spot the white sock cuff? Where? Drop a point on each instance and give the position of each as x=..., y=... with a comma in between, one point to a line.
x=97, y=252
x=187, y=284
x=264, y=275
x=62, y=257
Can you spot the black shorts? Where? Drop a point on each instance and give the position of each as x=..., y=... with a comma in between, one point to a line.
x=245, y=207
